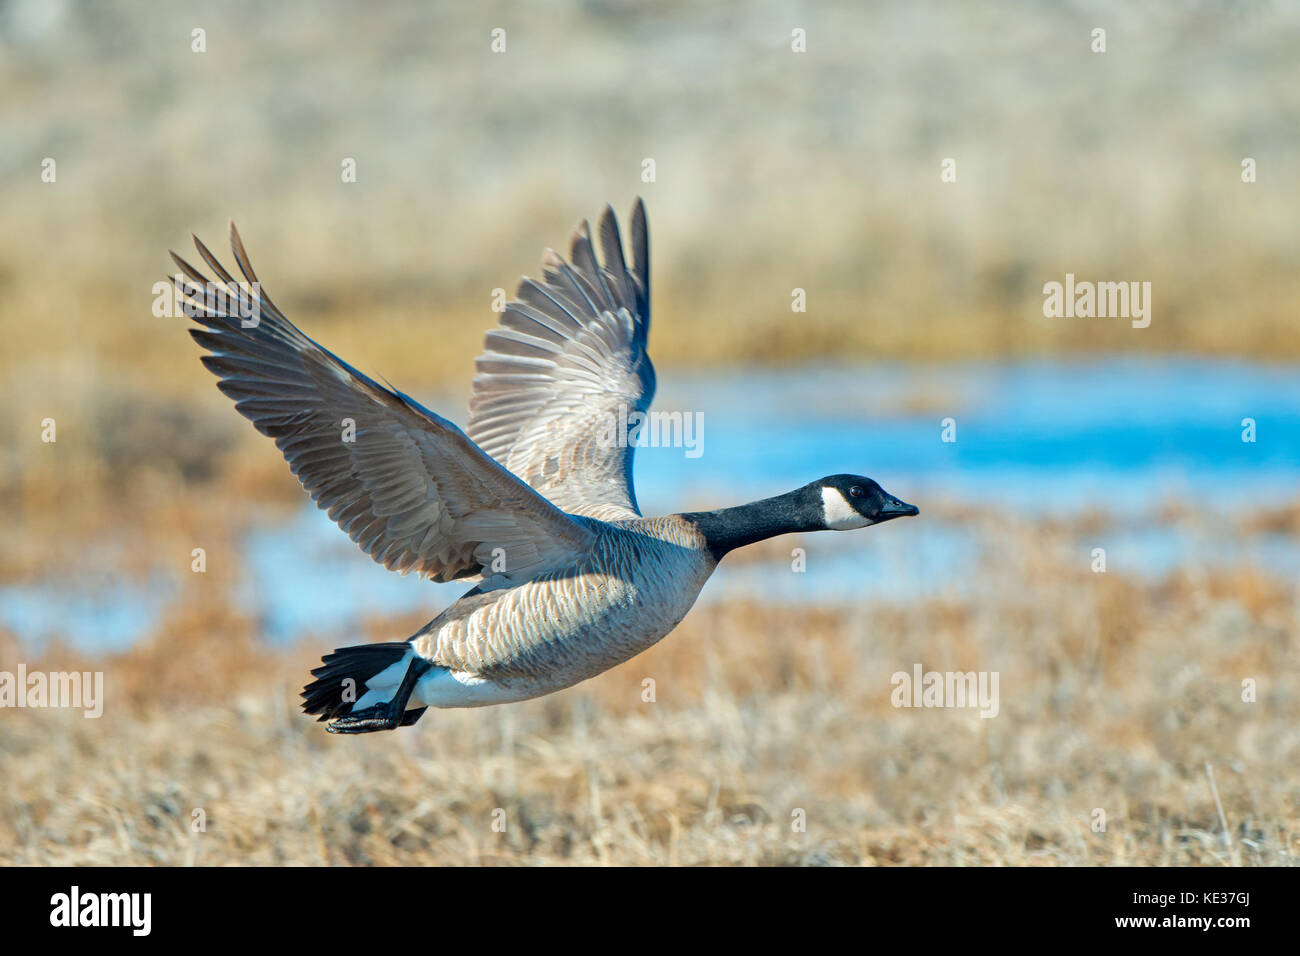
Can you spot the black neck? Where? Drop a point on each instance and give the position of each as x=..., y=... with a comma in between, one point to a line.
x=729, y=528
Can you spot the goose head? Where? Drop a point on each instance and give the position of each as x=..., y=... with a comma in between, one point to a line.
x=833, y=503
x=854, y=501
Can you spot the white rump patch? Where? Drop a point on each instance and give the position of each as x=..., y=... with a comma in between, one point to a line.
x=440, y=687
x=381, y=688
x=838, y=514
x=437, y=687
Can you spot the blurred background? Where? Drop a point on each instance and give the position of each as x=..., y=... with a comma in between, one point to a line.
x=774, y=170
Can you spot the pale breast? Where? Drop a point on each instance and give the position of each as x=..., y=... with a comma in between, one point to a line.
x=636, y=585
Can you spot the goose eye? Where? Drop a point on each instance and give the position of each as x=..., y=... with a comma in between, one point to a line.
x=856, y=491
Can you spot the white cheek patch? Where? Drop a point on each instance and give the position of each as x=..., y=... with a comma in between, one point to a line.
x=838, y=514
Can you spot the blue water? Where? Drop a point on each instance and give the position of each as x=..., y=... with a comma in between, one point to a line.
x=1117, y=435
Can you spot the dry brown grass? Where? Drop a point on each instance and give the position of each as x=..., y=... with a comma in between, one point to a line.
x=1114, y=694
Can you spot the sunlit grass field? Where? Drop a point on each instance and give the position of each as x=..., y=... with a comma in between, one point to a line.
x=771, y=737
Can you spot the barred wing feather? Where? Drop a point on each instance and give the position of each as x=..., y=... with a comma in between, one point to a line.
x=566, y=368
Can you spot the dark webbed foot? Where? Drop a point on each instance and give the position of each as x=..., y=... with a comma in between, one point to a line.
x=379, y=717
x=411, y=716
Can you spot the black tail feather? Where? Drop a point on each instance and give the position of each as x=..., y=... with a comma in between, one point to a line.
x=345, y=672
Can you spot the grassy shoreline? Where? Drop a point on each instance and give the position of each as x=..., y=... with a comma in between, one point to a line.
x=1115, y=694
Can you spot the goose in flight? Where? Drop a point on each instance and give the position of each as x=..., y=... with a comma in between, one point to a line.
x=533, y=501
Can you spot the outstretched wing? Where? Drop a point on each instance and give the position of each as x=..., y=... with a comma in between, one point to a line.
x=405, y=484
x=565, y=371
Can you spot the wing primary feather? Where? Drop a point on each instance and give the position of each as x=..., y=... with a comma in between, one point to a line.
x=584, y=258
x=611, y=247
x=641, y=262
x=246, y=267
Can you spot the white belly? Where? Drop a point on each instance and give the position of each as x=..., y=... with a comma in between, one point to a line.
x=443, y=688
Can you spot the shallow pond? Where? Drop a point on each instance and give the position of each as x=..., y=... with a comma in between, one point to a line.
x=1040, y=439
